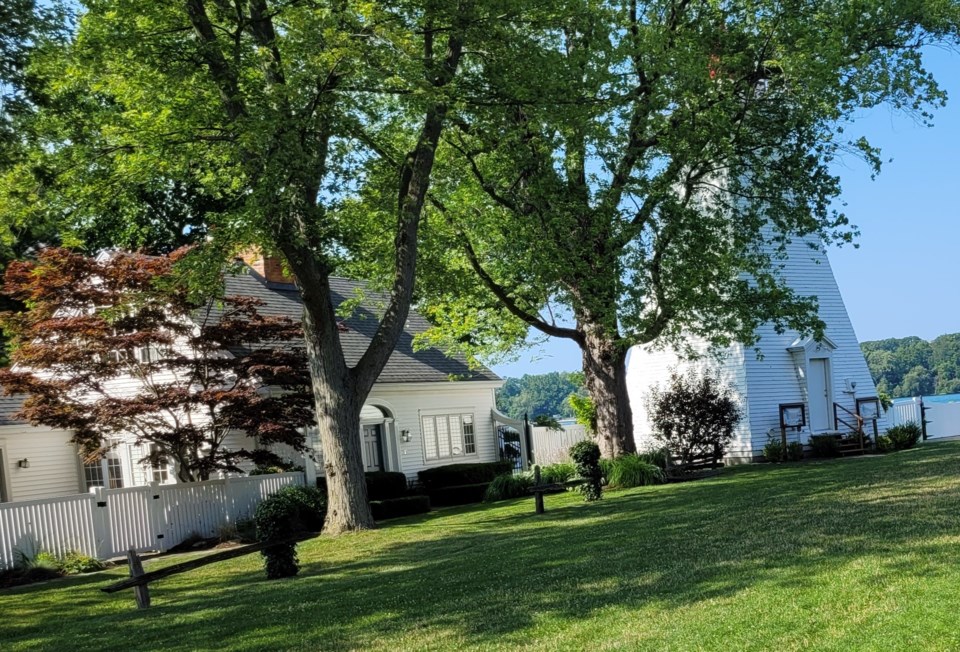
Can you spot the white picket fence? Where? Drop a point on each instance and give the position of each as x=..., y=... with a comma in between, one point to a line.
x=108, y=522
x=551, y=446
x=943, y=419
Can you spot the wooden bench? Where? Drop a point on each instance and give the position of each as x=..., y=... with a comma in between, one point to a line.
x=701, y=466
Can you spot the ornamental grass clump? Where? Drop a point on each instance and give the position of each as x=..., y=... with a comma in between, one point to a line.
x=632, y=471
x=586, y=458
x=508, y=486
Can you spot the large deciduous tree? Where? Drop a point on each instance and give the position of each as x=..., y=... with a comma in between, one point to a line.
x=268, y=108
x=112, y=347
x=639, y=182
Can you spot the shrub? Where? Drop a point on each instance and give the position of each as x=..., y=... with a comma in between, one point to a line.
x=694, y=416
x=773, y=450
x=286, y=514
x=386, y=485
x=557, y=473
x=824, y=446
x=74, y=563
x=584, y=411
x=632, y=471
x=44, y=560
x=586, y=457
x=657, y=457
x=246, y=530
x=904, y=436
x=455, y=475
x=508, y=486
x=463, y=494
x=884, y=444
x=794, y=451
x=396, y=507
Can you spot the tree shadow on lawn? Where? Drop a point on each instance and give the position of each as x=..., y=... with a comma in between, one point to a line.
x=489, y=575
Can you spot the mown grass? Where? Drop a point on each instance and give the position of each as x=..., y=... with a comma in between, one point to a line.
x=858, y=554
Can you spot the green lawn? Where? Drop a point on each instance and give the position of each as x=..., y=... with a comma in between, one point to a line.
x=850, y=554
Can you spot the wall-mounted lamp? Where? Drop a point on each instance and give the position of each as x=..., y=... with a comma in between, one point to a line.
x=405, y=436
x=24, y=463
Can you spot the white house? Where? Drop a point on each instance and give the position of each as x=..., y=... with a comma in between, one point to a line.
x=427, y=409
x=830, y=378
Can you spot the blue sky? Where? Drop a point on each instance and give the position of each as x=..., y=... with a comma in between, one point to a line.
x=903, y=279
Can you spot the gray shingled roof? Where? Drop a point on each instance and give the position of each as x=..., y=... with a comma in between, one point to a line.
x=404, y=366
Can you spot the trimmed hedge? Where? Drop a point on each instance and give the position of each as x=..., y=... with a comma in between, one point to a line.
x=463, y=494
x=396, y=507
x=457, y=475
x=386, y=485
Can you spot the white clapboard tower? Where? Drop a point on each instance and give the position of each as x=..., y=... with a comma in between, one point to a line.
x=827, y=377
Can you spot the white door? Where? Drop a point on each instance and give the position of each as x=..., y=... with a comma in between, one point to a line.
x=818, y=391
x=372, y=451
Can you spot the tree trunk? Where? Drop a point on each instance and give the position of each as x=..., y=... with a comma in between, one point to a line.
x=605, y=378
x=337, y=402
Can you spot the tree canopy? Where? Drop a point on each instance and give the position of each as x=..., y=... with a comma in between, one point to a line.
x=911, y=366
x=539, y=394
x=112, y=347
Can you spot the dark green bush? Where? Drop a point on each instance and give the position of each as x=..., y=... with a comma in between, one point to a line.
x=694, y=416
x=463, y=494
x=288, y=513
x=396, y=507
x=824, y=446
x=794, y=451
x=633, y=471
x=884, y=444
x=773, y=450
x=508, y=486
x=904, y=436
x=455, y=475
x=385, y=485
x=586, y=457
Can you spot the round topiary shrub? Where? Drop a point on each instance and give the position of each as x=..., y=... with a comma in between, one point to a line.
x=904, y=436
x=586, y=458
x=290, y=512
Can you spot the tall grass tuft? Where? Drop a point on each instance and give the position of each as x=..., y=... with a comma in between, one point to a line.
x=508, y=486
x=632, y=471
x=558, y=473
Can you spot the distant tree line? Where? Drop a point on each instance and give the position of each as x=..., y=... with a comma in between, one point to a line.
x=912, y=366
x=539, y=394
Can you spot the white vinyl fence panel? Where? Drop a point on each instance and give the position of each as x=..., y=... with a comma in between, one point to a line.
x=943, y=418
x=550, y=446
x=109, y=522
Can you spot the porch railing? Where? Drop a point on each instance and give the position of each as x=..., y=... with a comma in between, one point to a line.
x=850, y=419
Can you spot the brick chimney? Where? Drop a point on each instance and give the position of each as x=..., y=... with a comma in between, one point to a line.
x=269, y=267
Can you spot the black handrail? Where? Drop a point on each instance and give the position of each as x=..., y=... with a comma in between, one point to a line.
x=859, y=421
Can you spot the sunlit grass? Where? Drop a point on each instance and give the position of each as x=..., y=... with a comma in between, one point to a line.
x=858, y=554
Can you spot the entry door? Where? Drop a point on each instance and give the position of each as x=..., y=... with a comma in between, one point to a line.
x=818, y=389
x=372, y=449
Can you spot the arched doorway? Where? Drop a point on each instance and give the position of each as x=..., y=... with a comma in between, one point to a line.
x=377, y=438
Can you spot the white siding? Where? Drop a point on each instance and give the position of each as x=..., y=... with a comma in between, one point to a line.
x=648, y=367
x=766, y=382
x=773, y=379
x=54, y=464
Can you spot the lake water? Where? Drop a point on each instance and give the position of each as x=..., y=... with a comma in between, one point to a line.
x=942, y=398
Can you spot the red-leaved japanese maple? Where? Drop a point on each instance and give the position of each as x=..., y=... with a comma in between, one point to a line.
x=111, y=348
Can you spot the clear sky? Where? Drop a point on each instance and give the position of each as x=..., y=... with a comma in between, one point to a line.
x=904, y=279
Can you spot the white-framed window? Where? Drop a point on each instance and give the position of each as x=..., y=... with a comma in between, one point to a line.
x=105, y=472
x=448, y=435
x=159, y=471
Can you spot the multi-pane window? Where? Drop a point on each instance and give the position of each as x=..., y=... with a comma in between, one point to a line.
x=448, y=435
x=105, y=472
x=159, y=470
